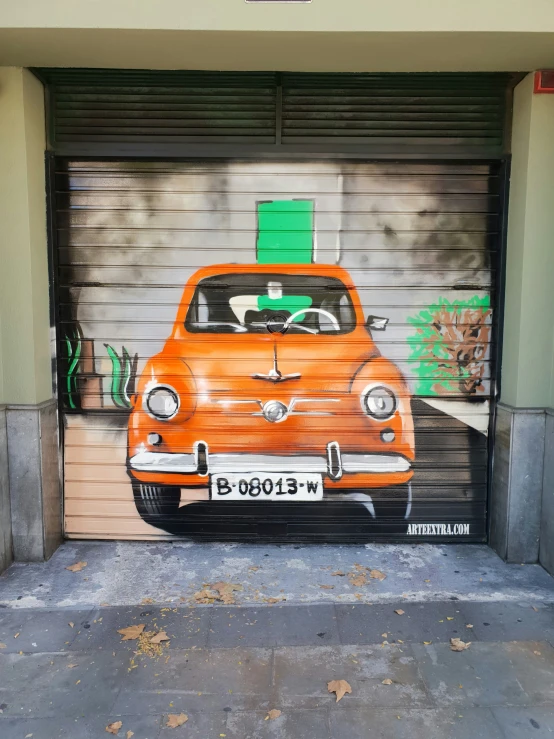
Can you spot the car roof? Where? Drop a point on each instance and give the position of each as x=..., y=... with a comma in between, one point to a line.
x=322, y=270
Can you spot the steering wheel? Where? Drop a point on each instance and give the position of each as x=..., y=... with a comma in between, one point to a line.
x=330, y=316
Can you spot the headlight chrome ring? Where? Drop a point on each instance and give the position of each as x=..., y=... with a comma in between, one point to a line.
x=162, y=402
x=379, y=402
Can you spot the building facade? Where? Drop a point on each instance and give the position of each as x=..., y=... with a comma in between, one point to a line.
x=277, y=271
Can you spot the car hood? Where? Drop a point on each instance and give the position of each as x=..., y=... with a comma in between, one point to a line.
x=285, y=363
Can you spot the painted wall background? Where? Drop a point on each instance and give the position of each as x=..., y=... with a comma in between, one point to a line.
x=415, y=238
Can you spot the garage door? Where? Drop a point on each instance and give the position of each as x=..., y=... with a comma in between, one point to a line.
x=300, y=350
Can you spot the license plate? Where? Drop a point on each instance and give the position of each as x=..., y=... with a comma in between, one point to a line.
x=266, y=486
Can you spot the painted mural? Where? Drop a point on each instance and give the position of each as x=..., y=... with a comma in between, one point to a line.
x=287, y=350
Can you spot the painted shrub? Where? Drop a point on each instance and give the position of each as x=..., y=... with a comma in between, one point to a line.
x=450, y=345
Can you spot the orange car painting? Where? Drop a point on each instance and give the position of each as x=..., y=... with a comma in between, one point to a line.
x=270, y=387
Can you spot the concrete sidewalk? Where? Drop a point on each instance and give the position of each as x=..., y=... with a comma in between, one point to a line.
x=124, y=573
x=66, y=673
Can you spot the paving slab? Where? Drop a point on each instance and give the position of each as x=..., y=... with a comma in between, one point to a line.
x=186, y=627
x=474, y=723
x=198, y=680
x=44, y=685
x=90, y=727
x=511, y=621
x=290, y=725
x=529, y=722
x=488, y=674
x=124, y=573
x=301, y=675
x=39, y=630
x=276, y=626
x=198, y=726
x=366, y=624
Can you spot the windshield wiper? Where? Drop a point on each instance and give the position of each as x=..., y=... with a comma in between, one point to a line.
x=274, y=374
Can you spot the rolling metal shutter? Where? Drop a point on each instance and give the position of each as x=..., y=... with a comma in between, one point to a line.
x=417, y=241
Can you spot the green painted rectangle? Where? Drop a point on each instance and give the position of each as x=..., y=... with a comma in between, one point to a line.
x=285, y=232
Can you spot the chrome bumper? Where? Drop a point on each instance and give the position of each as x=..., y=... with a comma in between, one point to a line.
x=335, y=464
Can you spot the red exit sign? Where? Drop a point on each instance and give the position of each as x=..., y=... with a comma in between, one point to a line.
x=544, y=82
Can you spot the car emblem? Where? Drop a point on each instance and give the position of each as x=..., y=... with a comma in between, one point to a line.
x=275, y=411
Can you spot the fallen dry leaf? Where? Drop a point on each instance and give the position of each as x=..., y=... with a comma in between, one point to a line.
x=274, y=600
x=77, y=567
x=174, y=720
x=457, y=645
x=387, y=681
x=114, y=728
x=225, y=591
x=469, y=626
x=2, y=645
x=254, y=568
x=129, y=734
x=71, y=666
x=535, y=608
x=146, y=601
x=131, y=632
x=427, y=643
x=204, y=596
x=159, y=637
x=273, y=714
x=399, y=611
x=338, y=573
x=537, y=653
x=327, y=587
x=377, y=575
x=340, y=687
x=357, y=580
x=71, y=624
x=16, y=635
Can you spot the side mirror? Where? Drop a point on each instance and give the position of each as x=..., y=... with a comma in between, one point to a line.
x=376, y=323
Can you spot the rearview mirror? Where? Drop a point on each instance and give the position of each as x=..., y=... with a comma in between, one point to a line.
x=376, y=323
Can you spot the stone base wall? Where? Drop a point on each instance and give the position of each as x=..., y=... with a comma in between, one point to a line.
x=6, y=546
x=522, y=491
x=34, y=482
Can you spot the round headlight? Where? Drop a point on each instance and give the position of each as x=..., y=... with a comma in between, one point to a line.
x=379, y=402
x=162, y=402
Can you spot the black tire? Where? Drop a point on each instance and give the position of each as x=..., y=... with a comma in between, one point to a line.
x=393, y=503
x=154, y=502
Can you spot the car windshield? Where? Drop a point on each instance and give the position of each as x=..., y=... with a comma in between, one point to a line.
x=245, y=303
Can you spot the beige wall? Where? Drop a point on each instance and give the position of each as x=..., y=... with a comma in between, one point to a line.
x=320, y=15
x=527, y=368
x=324, y=35
x=24, y=307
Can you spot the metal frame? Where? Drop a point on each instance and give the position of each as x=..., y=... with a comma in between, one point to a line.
x=498, y=327
x=53, y=253
x=325, y=149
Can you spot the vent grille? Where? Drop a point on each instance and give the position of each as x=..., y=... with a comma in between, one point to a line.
x=395, y=109
x=146, y=113
x=172, y=107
